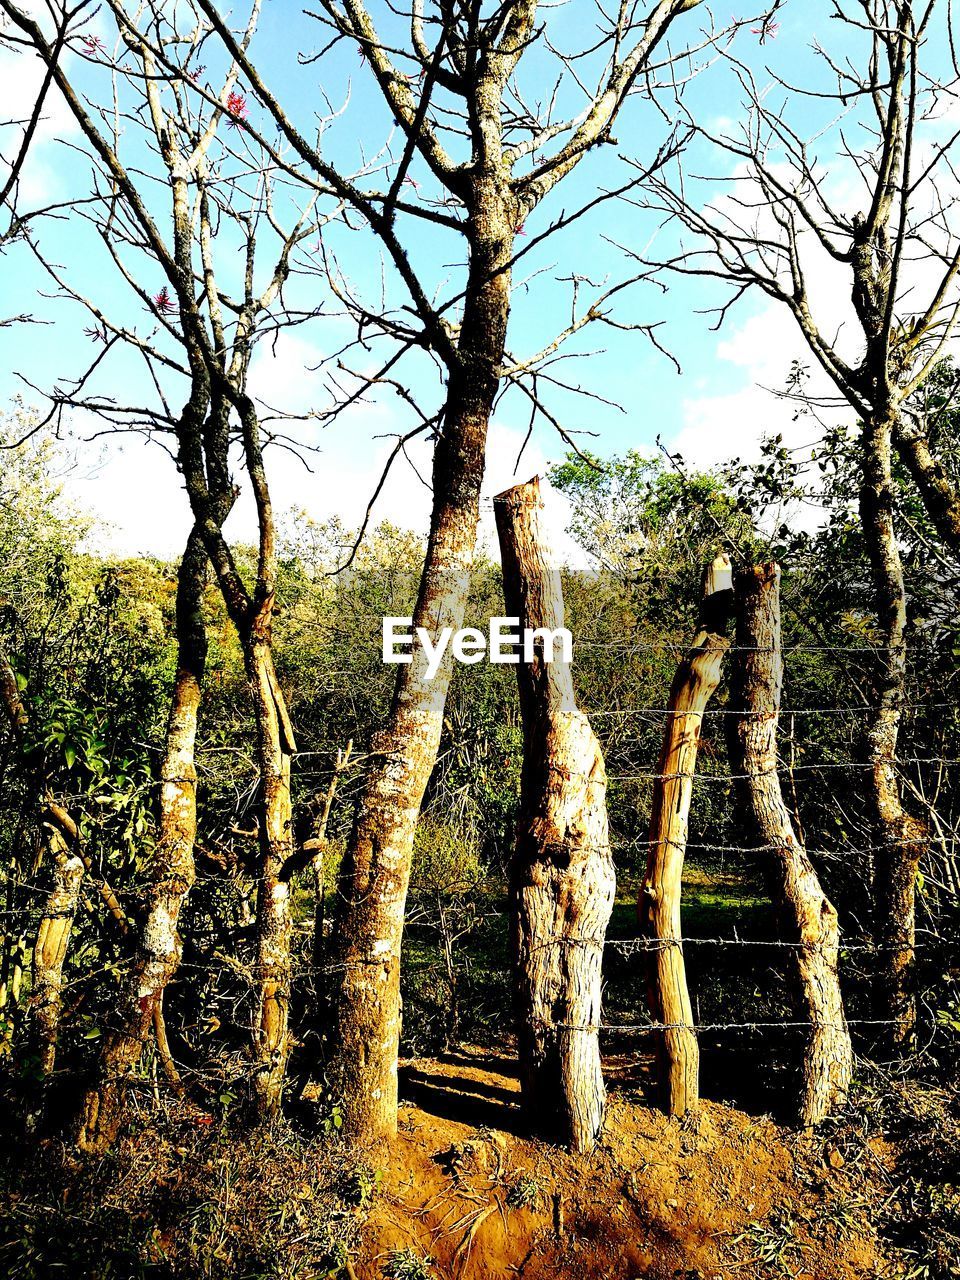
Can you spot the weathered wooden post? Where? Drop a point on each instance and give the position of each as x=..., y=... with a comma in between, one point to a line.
x=658, y=909
x=53, y=937
x=807, y=916
x=315, y=845
x=562, y=879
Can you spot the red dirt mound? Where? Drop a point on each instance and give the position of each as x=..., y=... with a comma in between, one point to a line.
x=714, y=1195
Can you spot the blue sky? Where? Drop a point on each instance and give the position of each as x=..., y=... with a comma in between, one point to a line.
x=713, y=409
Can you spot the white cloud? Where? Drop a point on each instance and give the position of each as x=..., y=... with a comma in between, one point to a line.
x=21, y=75
x=717, y=427
x=137, y=492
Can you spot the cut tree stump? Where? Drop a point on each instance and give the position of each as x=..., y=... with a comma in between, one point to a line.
x=562, y=879
x=807, y=917
x=658, y=908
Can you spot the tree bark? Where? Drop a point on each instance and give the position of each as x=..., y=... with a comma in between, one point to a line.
x=53, y=937
x=271, y=1037
x=158, y=946
x=562, y=880
x=808, y=918
x=937, y=491
x=658, y=908
x=898, y=836
x=375, y=874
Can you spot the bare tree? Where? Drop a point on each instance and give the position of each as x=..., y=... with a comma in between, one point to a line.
x=658, y=908
x=780, y=222
x=205, y=333
x=15, y=153
x=452, y=87
x=158, y=947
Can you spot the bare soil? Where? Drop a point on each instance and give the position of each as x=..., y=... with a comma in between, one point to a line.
x=718, y=1194
x=723, y=1194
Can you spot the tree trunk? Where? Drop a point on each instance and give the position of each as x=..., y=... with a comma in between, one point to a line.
x=159, y=948
x=275, y=746
x=899, y=837
x=562, y=881
x=658, y=908
x=376, y=867
x=53, y=936
x=808, y=918
x=937, y=490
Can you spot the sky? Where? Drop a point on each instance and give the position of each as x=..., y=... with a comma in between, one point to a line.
x=720, y=404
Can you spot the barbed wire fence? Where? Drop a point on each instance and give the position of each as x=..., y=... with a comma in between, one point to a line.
x=23, y=891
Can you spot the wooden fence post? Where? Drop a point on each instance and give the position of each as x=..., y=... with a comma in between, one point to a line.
x=658, y=909
x=807, y=916
x=562, y=877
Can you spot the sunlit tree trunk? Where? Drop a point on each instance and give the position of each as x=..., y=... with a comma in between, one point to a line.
x=158, y=946
x=938, y=492
x=562, y=881
x=899, y=837
x=314, y=844
x=271, y=1036
x=53, y=937
x=376, y=869
x=808, y=919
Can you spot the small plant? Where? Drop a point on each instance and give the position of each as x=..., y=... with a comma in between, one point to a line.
x=929, y=1233
x=361, y=1185
x=331, y=1121
x=335, y=1261
x=846, y=1216
x=526, y=1191
x=407, y=1264
x=773, y=1243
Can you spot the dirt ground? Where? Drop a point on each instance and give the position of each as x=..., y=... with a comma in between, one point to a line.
x=463, y=1194
x=720, y=1194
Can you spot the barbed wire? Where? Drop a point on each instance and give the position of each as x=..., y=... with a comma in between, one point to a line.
x=852, y=765
x=765, y=715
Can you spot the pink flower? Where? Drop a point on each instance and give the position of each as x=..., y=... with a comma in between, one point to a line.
x=767, y=30
x=163, y=304
x=237, y=107
x=196, y=73
x=92, y=45
x=518, y=230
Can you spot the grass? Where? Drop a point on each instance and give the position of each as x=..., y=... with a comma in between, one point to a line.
x=407, y=1264
x=178, y=1202
x=526, y=1191
x=773, y=1244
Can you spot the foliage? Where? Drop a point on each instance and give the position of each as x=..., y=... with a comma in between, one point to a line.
x=407, y=1264
x=92, y=647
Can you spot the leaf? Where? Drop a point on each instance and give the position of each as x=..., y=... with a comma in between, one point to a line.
x=69, y=754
